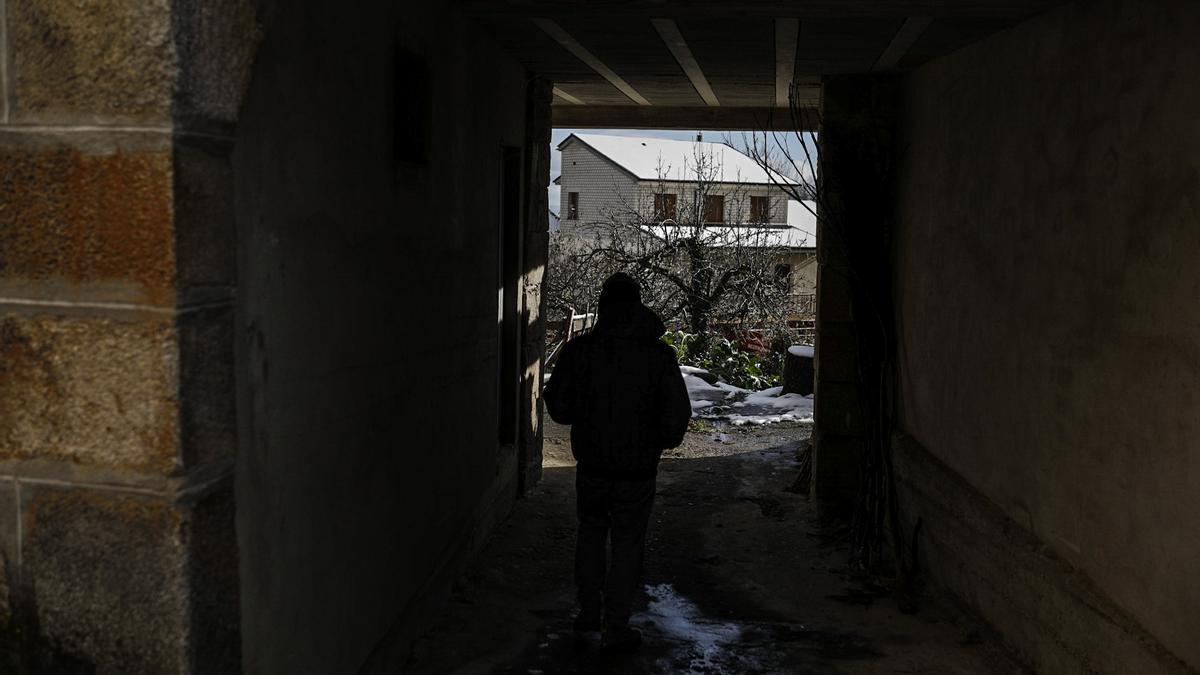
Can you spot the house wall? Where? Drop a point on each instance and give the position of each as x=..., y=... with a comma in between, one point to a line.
x=602, y=187
x=804, y=270
x=606, y=190
x=737, y=199
x=1048, y=233
x=369, y=467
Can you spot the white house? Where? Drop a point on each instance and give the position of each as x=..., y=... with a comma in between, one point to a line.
x=603, y=176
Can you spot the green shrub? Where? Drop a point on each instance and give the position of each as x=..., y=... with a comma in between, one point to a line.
x=728, y=361
x=679, y=341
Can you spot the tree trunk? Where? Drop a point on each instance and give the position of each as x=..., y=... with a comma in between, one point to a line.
x=698, y=303
x=698, y=318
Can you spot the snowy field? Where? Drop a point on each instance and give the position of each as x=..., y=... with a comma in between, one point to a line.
x=739, y=406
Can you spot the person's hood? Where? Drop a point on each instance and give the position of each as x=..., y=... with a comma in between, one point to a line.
x=629, y=320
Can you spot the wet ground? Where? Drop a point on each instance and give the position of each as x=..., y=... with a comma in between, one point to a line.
x=740, y=578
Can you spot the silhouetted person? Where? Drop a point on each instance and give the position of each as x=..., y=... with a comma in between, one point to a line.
x=620, y=389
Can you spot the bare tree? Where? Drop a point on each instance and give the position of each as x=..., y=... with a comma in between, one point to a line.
x=703, y=247
x=574, y=275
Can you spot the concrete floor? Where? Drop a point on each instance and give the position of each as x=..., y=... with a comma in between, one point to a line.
x=739, y=579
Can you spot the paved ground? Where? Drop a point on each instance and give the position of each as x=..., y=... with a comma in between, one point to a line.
x=739, y=579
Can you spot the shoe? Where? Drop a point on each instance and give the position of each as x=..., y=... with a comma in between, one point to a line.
x=586, y=622
x=621, y=638
x=591, y=606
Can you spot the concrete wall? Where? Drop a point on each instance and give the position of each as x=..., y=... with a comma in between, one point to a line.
x=1048, y=235
x=369, y=465
x=117, y=279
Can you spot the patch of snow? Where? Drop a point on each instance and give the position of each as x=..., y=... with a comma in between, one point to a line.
x=698, y=387
x=739, y=406
x=804, y=351
x=704, y=395
x=682, y=622
x=767, y=406
x=774, y=398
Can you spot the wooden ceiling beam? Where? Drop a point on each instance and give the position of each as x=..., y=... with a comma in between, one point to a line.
x=901, y=42
x=669, y=32
x=572, y=45
x=566, y=97
x=698, y=9
x=787, y=32
x=691, y=117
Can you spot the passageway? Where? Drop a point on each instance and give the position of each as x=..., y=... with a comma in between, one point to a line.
x=741, y=577
x=273, y=318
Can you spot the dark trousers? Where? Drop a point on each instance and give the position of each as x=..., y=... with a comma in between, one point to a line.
x=618, y=510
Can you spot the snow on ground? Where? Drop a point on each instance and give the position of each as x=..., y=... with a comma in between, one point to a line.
x=739, y=406
x=705, y=395
x=805, y=351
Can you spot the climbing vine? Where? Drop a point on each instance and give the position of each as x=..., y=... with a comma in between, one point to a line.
x=859, y=238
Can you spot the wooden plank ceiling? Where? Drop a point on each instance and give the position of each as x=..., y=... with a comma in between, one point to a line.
x=687, y=62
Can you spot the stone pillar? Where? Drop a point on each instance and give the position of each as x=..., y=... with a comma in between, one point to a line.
x=857, y=121
x=536, y=247
x=117, y=281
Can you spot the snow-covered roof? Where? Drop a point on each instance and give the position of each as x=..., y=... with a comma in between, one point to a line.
x=643, y=157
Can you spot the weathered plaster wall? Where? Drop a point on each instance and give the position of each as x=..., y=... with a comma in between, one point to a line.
x=1047, y=275
x=370, y=463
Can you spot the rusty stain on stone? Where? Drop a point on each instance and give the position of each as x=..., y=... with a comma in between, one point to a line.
x=80, y=218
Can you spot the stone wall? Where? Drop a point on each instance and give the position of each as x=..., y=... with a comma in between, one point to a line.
x=117, y=287
x=1046, y=271
x=534, y=258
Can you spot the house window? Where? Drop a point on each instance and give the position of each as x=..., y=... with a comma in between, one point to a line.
x=714, y=208
x=664, y=207
x=760, y=209
x=783, y=277
x=572, y=206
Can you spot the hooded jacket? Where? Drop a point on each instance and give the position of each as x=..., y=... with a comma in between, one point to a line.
x=620, y=389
